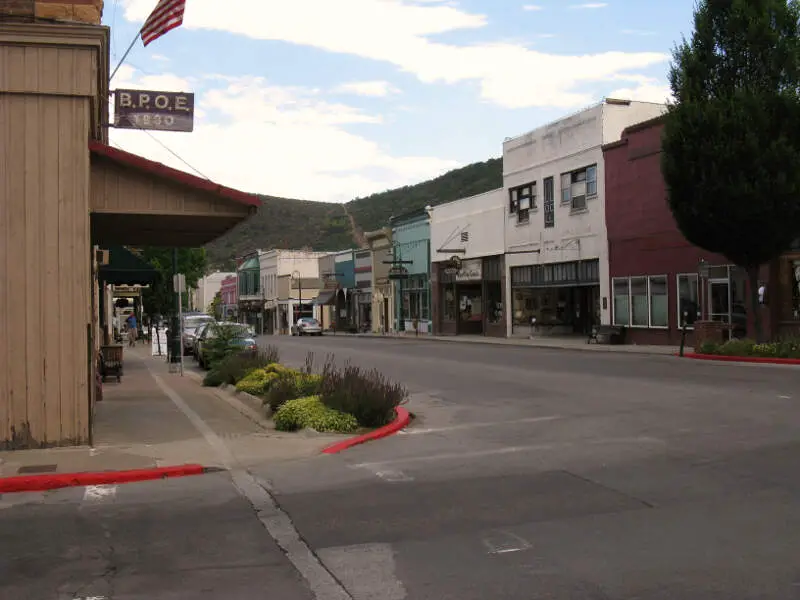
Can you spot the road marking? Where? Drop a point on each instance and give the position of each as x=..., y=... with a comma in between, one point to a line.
x=95, y=493
x=413, y=431
x=507, y=450
x=503, y=542
x=785, y=397
x=393, y=476
x=277, y=523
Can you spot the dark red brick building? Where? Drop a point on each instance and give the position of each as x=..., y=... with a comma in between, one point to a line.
x=655, y=272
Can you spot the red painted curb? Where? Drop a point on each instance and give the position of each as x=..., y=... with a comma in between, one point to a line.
x=744, y=359
x=39, y=483
x=401, y=420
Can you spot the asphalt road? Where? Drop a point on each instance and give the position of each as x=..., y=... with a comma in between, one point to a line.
x=540, y=473
x=528, y=474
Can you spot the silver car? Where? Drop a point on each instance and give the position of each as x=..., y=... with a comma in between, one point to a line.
x=307, y=326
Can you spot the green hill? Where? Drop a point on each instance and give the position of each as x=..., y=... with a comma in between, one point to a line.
x=297, y=224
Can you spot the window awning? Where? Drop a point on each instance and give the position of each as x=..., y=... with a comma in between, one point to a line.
x=125, y=268
x=326, y=298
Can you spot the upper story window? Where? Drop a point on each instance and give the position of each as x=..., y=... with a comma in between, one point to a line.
x=522, y=200
x=578, y=186
x=548, y=192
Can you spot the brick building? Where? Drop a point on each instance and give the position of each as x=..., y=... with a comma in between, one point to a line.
x=656, y=275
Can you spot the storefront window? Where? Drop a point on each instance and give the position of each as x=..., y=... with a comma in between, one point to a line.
x=449, y=308
x=658, y=302
x=622, y=308
x=494, y=300
x=639, y=311
x=470, y=304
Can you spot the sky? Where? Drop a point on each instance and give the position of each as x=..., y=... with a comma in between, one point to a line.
x=330, y=100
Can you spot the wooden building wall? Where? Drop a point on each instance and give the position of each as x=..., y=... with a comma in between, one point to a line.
x=46, y=115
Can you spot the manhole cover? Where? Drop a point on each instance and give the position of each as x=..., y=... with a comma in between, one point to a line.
x=37, y=469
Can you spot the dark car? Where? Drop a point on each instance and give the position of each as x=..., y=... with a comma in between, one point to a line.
x=243, y=337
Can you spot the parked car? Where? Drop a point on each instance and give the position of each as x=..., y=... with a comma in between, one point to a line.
x=243, y=337
x=307, y=326
x=191, y=322
x=191, y=337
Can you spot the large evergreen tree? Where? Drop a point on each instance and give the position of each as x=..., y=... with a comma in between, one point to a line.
x=731, y=144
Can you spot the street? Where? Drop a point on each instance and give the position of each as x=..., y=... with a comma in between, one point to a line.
x=528, y=474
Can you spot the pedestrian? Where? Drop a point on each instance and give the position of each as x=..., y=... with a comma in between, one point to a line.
x=132, y=329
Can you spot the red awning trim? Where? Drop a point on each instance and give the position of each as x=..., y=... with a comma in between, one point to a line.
x=158, y=169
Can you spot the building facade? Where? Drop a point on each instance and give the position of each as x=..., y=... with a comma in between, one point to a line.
x=410, y=275
x=469, y=300
x=229, y=298
x=347, y=294
x=555, y=233
x=658, y=279
x=382, y=300
x=250, y=297
x=363, y=289
x=292, y=282
x=207, y=289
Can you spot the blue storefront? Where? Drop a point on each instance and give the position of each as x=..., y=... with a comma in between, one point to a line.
x=411, y=243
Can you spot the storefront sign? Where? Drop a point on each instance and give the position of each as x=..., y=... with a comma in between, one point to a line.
x=471, y=270
x=164, y=111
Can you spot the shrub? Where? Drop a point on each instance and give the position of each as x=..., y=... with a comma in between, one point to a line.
x=310, y=412
x=736, y=348
x=213, y=379
x=709, y=347
x=256, y=382
x=234, y=367
x=367, y=395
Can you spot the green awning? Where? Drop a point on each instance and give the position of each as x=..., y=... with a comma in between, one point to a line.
x=125, y=268
x=250, y=264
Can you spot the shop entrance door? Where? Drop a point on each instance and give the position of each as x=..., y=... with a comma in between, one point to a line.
x=470, y=309
x=719, y=300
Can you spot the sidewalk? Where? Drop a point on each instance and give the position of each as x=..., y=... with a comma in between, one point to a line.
x=557, y=343
x=138, y=426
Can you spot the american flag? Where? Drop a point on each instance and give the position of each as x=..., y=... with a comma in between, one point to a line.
x=166, y=16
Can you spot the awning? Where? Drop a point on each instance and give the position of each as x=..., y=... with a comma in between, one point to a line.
x=125, y=268
x=140, y=202
x=325, y=298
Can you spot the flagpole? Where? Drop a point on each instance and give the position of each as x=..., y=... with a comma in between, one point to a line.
x=124, y=56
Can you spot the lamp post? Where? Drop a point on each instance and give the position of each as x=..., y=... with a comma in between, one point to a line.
x=702, y=275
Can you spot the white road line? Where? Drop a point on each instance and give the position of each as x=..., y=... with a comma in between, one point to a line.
x=96, y=493
x=503, y=542
x=373, y=466
x=413, y=431
x=785, y=397
x=275, y=521
x=393, y=476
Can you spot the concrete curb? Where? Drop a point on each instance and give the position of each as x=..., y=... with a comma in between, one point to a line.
x=762, y=360
x=230, y=398
x=401, y=420
x=40, y=483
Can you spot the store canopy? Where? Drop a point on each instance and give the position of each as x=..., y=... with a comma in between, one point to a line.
x=325, y=298
x=125, y=268
x=140, y=202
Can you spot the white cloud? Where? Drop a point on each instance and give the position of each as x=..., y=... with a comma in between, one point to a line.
x=375, y=89
x=274, y=140
x=532, y=7
x=647, y=90
x=397, y=32
x=590, y=5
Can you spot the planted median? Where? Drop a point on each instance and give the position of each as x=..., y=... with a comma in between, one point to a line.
x=332, y=399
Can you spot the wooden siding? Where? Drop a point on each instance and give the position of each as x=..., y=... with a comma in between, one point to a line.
x=119, y=190
x=45, y=291
x=49, y=70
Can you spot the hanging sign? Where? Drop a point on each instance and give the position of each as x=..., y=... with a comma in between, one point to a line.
x=162, y=111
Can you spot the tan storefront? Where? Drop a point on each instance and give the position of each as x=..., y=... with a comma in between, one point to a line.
x=64, y=191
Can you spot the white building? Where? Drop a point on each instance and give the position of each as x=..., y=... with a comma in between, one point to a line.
x=206, y=289
x=469, y=300
x=555, y=232
x=290, y=280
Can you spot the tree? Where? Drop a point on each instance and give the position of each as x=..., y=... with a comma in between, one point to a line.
x=159, y=298
x=731, y=140
x=215, y=307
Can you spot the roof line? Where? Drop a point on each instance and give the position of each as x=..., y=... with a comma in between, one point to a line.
x=161, y=170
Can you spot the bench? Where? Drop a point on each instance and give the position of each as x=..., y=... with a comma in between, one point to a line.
x=607, y=334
